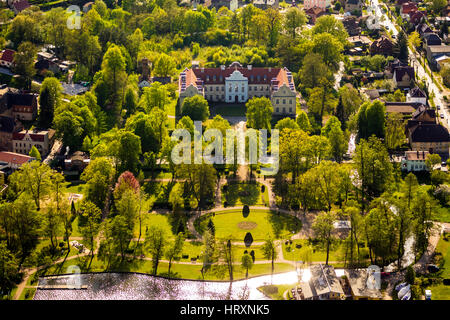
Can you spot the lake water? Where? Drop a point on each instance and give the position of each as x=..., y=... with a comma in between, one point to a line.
x=131, y=286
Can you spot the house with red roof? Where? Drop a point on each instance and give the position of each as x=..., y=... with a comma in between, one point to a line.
x=18, y=5
x=238, y=84
x=13, y=160
x=7, y=58
x=383, y=46
x=314, y=13
x=407, y=8
x=24, y=140
x=416, y=17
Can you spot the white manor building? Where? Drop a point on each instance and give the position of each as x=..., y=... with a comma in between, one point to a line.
x=238, y=84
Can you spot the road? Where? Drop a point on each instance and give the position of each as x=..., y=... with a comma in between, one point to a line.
x=420, y=71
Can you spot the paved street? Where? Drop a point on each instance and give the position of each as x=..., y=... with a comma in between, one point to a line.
x=420, y=71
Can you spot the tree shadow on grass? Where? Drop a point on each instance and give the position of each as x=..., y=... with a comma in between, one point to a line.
x=246, y=193
x=282, y=224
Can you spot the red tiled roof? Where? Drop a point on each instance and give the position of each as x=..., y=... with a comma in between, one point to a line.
x=33, y=136
x=408, y=7
x=15, y=158
x=8, y=55
x=21, y=5
x=415, y=16
x=314, y=10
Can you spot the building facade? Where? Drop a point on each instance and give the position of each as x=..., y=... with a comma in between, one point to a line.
x=24, y=140
x=238, y=84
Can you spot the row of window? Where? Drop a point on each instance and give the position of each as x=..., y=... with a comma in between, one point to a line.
x=236, y=88
x=283, y=110
x=25, y=145
x=284, y=101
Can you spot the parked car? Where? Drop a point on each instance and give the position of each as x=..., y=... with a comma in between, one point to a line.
x=443, y=164
x=438, y=107
x=432, y=268
x=442, y=116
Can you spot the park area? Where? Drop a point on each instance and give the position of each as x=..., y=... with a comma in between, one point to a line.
x=238, y=194
x=441, y=291
x=259, y=222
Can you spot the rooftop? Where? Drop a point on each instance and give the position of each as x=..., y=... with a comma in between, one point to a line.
x=14, y=158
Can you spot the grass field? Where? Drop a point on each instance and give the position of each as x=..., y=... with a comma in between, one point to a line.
x=182, y=271
x=154, y=219
x=291, y=252
x=260, y=223
x=443, y=247
x=227, y=109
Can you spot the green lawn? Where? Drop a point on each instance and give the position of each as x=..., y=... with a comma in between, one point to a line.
x=182, y=271
x=291, y=252
x=239, y=194
x=79, y=188
x=227, y=109
x=443, y=247
x=154, y=219
x=442, y=214
x=440, y=292
x=260, y=223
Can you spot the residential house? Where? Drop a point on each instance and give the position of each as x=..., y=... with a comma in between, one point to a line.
x=7, y=58
x=404, y=76
x=351, y=24
x=353, y=5
x=323, y=284
x=414, y=161
x=441, y=60
x=434, y=52
x=7, y=128
x=238, y=84
x=361, y=283
x=18, y=5
x=416, y=17
x=19, y=105
x=360, y=41
x=407, y=8
x=416, y=95
x=323, y=4
x=24, y=140
x=314, y=13
x=77, y=162
x=423, y=28
x=383, y=46
x=431, y=39
x=406, y=109
x=431, y=137
x=13, y=160
x=372, y=94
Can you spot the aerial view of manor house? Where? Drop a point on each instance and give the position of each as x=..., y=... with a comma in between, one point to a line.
x=235, y=83
x=319, y=131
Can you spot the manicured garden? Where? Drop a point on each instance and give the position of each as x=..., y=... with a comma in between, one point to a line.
x=238, y=194
x=260, y=223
